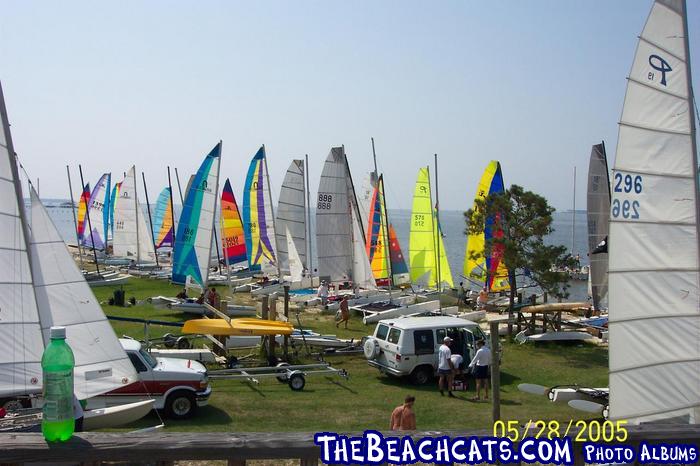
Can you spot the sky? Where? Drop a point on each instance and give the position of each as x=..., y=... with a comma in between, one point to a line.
x=532, y=84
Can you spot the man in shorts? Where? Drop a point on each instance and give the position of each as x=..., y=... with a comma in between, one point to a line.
x=445, y=367
x=403, y=417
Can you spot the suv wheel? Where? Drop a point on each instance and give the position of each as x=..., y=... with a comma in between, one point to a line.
x=421, y=375
x=180, y=405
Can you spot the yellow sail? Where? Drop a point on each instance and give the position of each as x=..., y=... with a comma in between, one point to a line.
x=377, y=251
x=497, y=277
x=425, y=238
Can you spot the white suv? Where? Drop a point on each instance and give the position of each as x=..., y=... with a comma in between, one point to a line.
x=408, y=346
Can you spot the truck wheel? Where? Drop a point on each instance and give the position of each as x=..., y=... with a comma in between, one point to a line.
x=12, y=404
x=421, y=375
x=180, y=405
x=297, y=382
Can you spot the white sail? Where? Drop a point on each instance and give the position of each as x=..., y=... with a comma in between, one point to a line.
x=598, y=215
x=361, y=268
x=333, y=225
x=291, y=215
x=21, y=344
x=364, y=198
x=96, y=212
x=654, y=305
x=65, y=299
x=294, y=264
x=132, y=237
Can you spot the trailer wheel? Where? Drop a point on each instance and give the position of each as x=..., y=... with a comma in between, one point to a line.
x=169, y=340
x=282, y=378
x=297, y=381
x=183, y=343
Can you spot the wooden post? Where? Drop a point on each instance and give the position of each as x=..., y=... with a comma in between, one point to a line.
x=544, y=297
x=286, y=316
x=265, y=308
x=520, y=302
x=495, y=373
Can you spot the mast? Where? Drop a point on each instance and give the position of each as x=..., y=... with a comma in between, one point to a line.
x=172, y=209
x=272, y=210
x=87, y=215
x=75, y=220
x=177, y=178
x=573, y=218
x=387, y=247
x=374, y=157
x=150, y=219
x=436, y=228
x=309, y=254
x=213, y=219
x=355, y=206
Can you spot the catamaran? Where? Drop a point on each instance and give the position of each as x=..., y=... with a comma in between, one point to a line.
x=44, y=288
x=598, y=214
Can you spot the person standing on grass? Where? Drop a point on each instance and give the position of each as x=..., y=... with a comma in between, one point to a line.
x=403, y=417
x=323, y=293
x=445, y=367
x=480, y=363
x=344, y=312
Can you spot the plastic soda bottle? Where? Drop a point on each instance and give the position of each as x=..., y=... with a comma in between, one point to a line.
x=57, y=365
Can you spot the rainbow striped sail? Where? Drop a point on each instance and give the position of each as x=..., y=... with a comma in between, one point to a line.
x=232, y=235
x=82, y=211
x=257, y=214
x=196, y=226
x=491, y=270
x=163, y=220
x=377, y=234
x=399, y=270
x=98, y=210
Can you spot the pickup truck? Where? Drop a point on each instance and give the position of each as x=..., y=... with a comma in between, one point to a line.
x=178, y=386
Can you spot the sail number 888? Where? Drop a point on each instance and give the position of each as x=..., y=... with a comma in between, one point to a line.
x=324, y=201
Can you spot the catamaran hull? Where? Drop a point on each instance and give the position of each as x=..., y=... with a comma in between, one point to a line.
x=116, y=416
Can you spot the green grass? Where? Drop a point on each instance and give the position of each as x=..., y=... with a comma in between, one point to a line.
x=366, y=399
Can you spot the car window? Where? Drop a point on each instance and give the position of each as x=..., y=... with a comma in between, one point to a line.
x=136, y=361
x=468, y=338
x=478, y=334
x=150, y=360
x=394, y=335
x=423, y=341
x=440, y=334
x=382, y=331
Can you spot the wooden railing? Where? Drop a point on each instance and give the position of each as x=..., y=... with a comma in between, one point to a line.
x=164, y=448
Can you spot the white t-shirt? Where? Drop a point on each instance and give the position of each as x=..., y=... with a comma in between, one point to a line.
x=457, y=360
x=323, y=291
x=444, y=354
x=482, y=357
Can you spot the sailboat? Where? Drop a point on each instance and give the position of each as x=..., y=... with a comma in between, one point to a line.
x=654, y=270
x=342, y=257
x=82, y=211
x=598, y=215
x=98, y=212
x=377, y=236
x=132, y=239
x=43, y=288
x=291, y=225
x=195, y=229
x=427, y=269
x=232, y=236
x=163, y=226
x=259, y=216
x=399, y=269
x=491, y=271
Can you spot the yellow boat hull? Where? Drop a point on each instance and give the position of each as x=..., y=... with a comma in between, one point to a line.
x=237, y=327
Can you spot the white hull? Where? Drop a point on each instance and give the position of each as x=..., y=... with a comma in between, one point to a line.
x=120, y=280
x=199, y=309
x=116, y=416
x=558, y=336
x=413, y=309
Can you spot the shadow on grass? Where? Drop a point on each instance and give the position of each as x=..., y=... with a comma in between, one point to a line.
x=343, y=386
x=210, y=415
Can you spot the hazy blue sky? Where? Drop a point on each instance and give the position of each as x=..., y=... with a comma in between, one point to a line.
x=155, y=83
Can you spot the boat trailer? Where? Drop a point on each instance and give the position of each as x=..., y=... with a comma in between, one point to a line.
x=294, y=375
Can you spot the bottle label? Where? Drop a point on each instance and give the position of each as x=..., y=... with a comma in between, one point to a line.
x=58, y=395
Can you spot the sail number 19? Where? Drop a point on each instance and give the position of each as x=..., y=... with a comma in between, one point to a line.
x=628, y=184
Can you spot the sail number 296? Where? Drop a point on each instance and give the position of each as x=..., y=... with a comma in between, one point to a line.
x=628, y=184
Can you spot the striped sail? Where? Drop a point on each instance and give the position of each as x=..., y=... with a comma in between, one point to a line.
x=598, y=214
x=490, y=269
x=98, y=210
x=82, y=211
x=291, y=215
x=112, y=203
x=377, y=233
x=654, y=302
x=65, y=299
x=163, y=220
x=21, y=344
x=132, y=237
x=426, y=237
x=257, y=214
x=195, y=229
x=399, y=270
x=232, y=236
